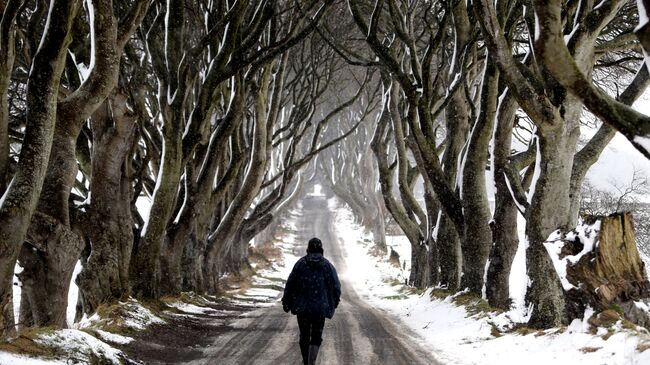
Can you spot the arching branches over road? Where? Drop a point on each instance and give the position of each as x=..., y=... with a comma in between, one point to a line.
x=474, y=104
x=556, y=115
x=349, y=169
x=244, y=38
x=210, y=115
x=146, y=143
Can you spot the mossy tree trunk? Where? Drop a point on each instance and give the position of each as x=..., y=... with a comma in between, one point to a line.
x=504, y=229
x=20, y=199
x=548, y=211
x=477, y=241
x=105, y=277
x=9, y=13
x=61, y=246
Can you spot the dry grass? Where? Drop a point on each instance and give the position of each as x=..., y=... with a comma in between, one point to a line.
x=24, y=343
x=494, y=331
x=439, y=293
x=474, y=305
x=606, y=318
x=643, y=346
x=524, y=330
x=589, y=349
x=377, y=252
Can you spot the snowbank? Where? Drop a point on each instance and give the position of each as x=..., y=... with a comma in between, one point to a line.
x=15, y=359
x=81, y=346
x=93, y=339
x=70, y=346
x=127, y=315
x=465, y=334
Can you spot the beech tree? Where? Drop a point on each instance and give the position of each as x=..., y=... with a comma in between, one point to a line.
x=556, y=115
x=53, y=244
x=20, y=199
x=456, y=118
x=235, y=34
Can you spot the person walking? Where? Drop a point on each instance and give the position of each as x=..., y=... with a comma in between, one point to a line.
x=312, y=293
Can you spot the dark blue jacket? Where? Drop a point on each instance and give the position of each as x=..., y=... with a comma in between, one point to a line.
x=313, y=287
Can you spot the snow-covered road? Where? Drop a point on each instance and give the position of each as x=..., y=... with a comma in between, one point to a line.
x=358, y=333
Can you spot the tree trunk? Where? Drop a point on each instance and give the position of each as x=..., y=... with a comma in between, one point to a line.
x=62, y=168
x=25, y=319
x=48, y=269
x=504, y=229
x=170, y=268
x=46, y=231
x=548, y=211
x=379, y=231
x=192, y=265
x=145, y=269
x=420, y=260
x=450, y=254
x=477, y=240
x=105, y=277
x=222, y=240
x=610, y=271
x=20, y=199
x=433, y=258
x=7, y=57
x=449, y=245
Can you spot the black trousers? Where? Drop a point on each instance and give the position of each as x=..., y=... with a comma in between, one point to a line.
x=311, y=333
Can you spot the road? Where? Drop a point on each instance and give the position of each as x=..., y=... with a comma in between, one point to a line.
x=358, y=334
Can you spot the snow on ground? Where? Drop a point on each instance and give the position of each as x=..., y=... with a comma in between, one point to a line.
x=7, y=358
x=128, y=315
x=70, y=346
x=455, y=336
x=372, y=276
x=81, y=346
x=88, y=339
x=190, y=308
x=280, y=270
x=86, y=342
x=113, y=337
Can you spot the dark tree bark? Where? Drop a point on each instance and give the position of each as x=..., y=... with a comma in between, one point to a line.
x=104, y=277
x=504, y=228
x=478, y=236
x=457, y=117
x=222, y=240
x=20, y=199
x=548, y=210
x=145, y=270
x=7, y=56
x=53, y=206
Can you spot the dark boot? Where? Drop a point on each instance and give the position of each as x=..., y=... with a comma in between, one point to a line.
x=313, y=353
x=304, y=350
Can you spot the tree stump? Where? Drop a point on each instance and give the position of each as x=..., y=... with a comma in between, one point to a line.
x=394, y=258
x=604, y=268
